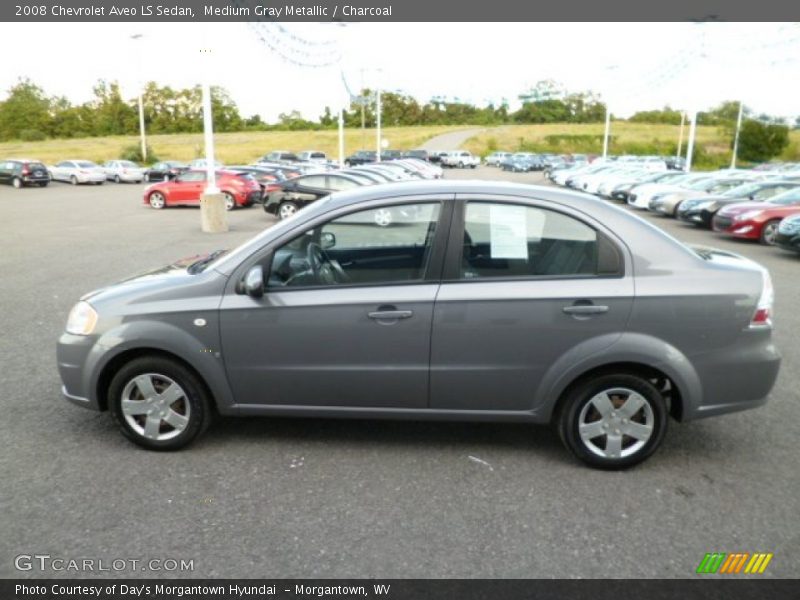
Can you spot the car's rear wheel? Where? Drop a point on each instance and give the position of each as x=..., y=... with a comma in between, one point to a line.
x=116, y=179
x=287, y=209
x=73, y=180
x=230, y=201
x=613, y=421
x=147, y=177
x=43, y=183
x=769, y=231
x=16, y=182
x=158, y=403
x=157, y=200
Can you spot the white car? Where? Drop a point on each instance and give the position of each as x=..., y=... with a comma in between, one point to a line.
x=77, y=171
x=313, y=156
x=200, y=163
x=495, y=158
x=123, y=170
x=461, y=159
x=640, y=196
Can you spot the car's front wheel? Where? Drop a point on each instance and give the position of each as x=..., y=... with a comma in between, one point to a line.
x=158, y=403
x=613, y=421
x=157, y=200
x=769, y=231
x=73, y=180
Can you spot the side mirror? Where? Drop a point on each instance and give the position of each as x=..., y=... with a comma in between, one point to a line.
x=254, y=282
x=327, y=240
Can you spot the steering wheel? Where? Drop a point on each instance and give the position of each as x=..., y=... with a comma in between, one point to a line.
x=325, y=269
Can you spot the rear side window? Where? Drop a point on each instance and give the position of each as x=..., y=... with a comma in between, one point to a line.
x=511, y=240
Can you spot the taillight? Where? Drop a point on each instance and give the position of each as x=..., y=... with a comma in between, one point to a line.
x=25, y=170
x=763, y=315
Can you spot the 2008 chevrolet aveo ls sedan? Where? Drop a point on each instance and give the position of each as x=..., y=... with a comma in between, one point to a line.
x=483, y=301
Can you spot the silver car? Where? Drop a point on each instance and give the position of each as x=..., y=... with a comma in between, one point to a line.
x=123, y=171
x=488, y=302
x=77, y=171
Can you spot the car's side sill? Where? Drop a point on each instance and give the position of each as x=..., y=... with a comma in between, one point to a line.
x=359, y=412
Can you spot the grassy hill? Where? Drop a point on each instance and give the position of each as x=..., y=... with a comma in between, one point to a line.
x=231, y=148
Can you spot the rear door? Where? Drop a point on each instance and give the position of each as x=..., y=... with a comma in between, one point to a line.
x=525, y=284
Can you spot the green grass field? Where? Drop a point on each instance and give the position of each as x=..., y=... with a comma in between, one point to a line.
x=244, y=147
x=231, y=148
x=627, y=138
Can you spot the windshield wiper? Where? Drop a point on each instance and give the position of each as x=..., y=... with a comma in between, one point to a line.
x=199, y=265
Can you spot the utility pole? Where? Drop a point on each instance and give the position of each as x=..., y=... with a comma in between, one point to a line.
x=736, y=137
x=213, y=217
x=608, y=130
x=378, y=122
x=680, y=135
x=140, y=85
x=690, y=146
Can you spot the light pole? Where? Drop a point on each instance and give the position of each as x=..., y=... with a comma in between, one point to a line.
x=607, y=133
x=690, y=145
x=378, y=122
x=213, y=217
x=736, y=137
x=140, y=84
x=680, y=135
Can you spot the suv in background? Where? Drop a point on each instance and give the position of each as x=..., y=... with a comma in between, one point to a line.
x=280, y=156
x=22, y=171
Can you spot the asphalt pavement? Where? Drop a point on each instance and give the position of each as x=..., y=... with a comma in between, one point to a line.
x=328, y=498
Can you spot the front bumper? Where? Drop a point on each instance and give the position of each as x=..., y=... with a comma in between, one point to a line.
x=788, y=241
x=73, y=355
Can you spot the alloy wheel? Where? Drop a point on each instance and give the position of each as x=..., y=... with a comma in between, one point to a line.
x=616, y=423
x=155, y=406
x=383, y=217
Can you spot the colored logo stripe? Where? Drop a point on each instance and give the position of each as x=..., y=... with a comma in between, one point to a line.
x=724, y=563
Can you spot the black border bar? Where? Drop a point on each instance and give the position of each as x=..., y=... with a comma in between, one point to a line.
x=702, y=588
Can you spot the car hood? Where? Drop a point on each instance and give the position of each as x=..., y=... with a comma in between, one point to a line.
x=170, y=276
x=740, y=207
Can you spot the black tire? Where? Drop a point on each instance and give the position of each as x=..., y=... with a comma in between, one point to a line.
x=768, y=232
x=199, y=412
x=230, y=201
x=44, y=183
x=568, y=419
x=73, y=180
x=117, y=179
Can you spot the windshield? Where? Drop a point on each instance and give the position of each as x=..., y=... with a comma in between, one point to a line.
x=85, y=164
x=790, y=197
x=743, y=190
x=128, y=164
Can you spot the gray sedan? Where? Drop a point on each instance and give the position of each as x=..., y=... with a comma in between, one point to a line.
x=490, y=302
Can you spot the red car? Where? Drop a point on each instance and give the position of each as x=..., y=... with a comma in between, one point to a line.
x=239, y=189
x=757, y=220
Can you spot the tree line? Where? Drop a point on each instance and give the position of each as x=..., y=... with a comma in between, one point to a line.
x=28, y=113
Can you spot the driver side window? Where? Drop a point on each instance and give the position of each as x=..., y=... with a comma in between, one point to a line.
x=388, y=245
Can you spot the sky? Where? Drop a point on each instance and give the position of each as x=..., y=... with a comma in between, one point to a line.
x=265, y=67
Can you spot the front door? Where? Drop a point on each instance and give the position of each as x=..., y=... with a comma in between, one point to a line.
x=345, y=319
x=188, y=188
x=530, y=284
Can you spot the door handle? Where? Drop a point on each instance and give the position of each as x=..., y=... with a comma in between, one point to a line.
x=585, y=309
x=390, y=315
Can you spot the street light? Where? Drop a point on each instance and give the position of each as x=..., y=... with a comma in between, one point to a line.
x=736, y=137
x=606, y=136
x=140, y=85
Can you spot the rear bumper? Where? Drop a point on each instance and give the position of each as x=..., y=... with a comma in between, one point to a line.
x=736, y=379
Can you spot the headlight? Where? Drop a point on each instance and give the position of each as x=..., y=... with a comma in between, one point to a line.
x=82, y=319
x=750, y=214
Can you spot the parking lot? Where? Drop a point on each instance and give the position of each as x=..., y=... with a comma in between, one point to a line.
x=329, y=498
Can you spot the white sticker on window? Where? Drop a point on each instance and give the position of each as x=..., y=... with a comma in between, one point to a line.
x=508, y=231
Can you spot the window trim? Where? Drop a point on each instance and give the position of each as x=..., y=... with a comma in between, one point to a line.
x=452, y=265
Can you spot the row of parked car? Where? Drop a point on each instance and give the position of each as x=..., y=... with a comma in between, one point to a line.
x=760, y=205
x=522, y=162
x=282, y=187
